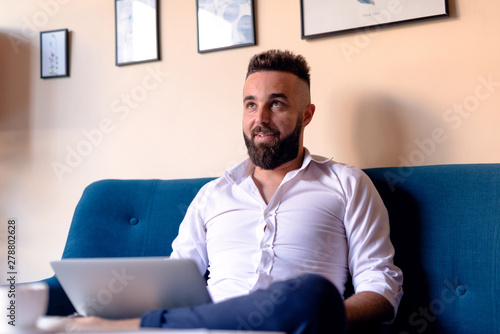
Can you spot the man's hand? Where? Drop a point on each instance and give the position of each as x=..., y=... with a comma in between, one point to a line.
x=84, y=324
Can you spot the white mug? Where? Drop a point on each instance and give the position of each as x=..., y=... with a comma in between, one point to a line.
x=22, y=305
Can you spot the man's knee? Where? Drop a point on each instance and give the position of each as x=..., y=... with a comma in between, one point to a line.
x=321, y=301
x=318, y=290
x=306, y=304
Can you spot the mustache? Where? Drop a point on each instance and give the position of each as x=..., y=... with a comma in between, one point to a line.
x=261, y=128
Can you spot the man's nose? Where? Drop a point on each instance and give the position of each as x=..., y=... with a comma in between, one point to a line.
x=263, y=115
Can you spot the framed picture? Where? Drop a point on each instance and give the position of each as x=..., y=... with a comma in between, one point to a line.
x=224, y=24
x=324, y=17
x=136, y=30
x=54, y=54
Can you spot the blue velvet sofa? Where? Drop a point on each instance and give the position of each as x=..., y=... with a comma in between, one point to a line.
x=445, y=226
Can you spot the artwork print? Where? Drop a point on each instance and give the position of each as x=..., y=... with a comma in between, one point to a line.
x=225, y=24
x=54, y=53
x=136, y=31
x=320, y=17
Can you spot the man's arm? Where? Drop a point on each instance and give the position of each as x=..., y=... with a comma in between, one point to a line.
x=367, y=307
x=376, y=280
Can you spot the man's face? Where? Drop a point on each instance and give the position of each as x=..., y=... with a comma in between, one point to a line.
x=275, y=110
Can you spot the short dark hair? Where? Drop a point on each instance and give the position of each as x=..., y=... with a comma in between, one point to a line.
x=284, y=61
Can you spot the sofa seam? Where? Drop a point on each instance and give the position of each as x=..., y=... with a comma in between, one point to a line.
x=494, y=281
x=148, y=215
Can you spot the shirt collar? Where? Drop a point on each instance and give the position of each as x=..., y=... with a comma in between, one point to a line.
x=245, y=169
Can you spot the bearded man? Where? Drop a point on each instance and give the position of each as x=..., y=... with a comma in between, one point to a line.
x=280, y=233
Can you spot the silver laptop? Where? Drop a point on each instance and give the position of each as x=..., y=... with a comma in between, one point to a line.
x=119, y=288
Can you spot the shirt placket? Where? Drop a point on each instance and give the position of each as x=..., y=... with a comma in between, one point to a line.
x=266, y=231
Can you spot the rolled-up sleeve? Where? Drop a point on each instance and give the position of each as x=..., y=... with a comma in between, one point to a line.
x=370, y=251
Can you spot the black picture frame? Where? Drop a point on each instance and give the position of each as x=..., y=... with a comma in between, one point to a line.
x=225, y=24
x=325, y=17
x=136, y=31
x=54, y=50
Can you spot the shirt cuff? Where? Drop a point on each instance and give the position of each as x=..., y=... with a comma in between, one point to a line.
x=153, y=319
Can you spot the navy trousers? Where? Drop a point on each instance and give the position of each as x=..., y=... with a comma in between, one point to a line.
x=306, y=304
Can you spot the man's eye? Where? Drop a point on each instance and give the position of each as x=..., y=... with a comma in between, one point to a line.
x=277, y=104
x=251, y=105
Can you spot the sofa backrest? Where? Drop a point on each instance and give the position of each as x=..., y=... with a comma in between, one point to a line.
x=129, y=218
x=445, y=226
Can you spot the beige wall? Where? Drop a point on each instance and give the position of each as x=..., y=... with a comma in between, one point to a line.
x=384, y=98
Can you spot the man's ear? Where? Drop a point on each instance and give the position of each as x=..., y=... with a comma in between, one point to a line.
x=308, y=114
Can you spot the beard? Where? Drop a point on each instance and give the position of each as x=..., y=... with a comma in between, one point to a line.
x=271, y=155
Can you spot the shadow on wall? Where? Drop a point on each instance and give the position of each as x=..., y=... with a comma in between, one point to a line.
x=14, y=109
x=390, y=132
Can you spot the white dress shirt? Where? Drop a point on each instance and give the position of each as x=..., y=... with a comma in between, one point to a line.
x=325, y=218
